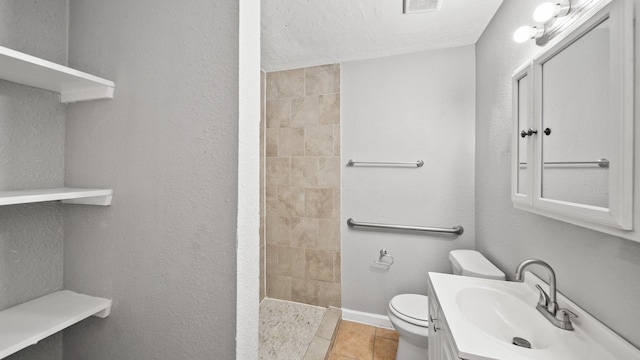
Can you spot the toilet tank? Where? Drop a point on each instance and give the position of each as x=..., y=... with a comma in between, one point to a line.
x=472, y=263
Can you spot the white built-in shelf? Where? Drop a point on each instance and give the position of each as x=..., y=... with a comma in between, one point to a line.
x=73, y=85
x=67, y=195
x=26, y=324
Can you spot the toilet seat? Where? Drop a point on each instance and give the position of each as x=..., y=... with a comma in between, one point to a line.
x=412, y=308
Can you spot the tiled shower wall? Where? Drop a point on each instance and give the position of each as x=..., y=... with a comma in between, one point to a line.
x=303, y=185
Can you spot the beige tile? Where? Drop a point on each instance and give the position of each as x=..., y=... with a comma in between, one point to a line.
x=334, y=356
x=279, y=287
x=262, y=229
x=336, y=204
x=262, y=190
x=385, y=349
x=278, y=113
x=304, y=171
x=305, y=111
x=263, y=254
x=387, y=333
x=318, y=349
x=319, y=203
x=271, y=142
x=304, y=291
x=262, y=289
x=329, y=323
x=336, y=140
x=304, y=232
x=329, y=294
x=291, y=142
x=271, y=86
x=262, y=170
x=271, y=200
x=318, y=140
x=329, y=107
x=285, y=84
x=329, y=234
x=329, y=172
x=291, y=201
x=337, y=267
x=324, y=79
x=284, y=260
x=278, y=172
x=271, y=254
x=352, y=326
x=278, y=230
x=318, y=264
x=262, y=140
x=297, y=261
x=355, y=342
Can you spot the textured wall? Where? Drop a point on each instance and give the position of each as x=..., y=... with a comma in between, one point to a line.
x=406, y=108
x=597, y=271
x=303, y=185
x=165, y=250
x=32, y=156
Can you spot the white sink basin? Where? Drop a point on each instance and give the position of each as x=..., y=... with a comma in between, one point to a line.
x=503, y=315
x=485, y=315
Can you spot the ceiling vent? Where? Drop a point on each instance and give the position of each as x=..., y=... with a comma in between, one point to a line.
x=421, y=6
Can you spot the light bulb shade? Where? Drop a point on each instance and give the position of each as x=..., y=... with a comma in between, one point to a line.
x=545, y=12
x=522, y=34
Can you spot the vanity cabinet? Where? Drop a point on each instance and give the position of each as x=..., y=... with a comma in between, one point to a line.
x=441, y=343
x=573, y=125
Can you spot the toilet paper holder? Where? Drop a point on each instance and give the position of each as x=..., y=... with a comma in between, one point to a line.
x=384, y=254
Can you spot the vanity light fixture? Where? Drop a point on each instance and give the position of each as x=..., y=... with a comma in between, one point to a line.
x=524, y=33
x=546, y=14
x=549, y=10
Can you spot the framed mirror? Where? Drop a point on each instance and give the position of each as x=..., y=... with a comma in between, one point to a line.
x=579, y=152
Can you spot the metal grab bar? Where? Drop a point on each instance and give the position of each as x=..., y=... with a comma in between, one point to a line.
x=458, y=230
x=418, y=163
x=602, y=162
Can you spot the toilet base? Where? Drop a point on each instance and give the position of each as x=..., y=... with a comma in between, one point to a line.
x=408, y=351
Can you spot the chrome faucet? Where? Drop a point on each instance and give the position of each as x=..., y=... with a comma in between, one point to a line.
x=547, y=304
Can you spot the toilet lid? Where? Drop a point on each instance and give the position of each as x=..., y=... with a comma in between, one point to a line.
x=412, y=308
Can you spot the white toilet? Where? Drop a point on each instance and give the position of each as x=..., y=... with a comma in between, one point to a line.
x=409, y=313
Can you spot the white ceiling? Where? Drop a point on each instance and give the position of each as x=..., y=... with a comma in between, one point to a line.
x=297, y=33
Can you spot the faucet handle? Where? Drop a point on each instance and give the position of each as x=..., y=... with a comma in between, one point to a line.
x=563, y=316
x=544, y=298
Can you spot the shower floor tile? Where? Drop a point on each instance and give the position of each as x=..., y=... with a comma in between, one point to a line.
x=287, y=329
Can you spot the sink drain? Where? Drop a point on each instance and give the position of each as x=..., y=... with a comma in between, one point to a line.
x=518, y=341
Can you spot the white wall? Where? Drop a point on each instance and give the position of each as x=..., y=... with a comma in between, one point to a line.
x=597, y=271
x=165, y=250
x=32, y=127
x=406, y=108
x=248, y=218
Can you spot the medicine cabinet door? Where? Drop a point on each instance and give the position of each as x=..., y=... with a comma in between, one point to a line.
x=522, y=146
x=583, y=117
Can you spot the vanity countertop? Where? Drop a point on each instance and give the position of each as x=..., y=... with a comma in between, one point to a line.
x=484, y=315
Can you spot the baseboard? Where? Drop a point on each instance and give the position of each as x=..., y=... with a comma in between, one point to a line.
x=366, y=318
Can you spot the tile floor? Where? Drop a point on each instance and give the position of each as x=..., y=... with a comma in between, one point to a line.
x=364, y=342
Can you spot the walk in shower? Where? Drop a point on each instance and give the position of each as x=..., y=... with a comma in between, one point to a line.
x=300, y=206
